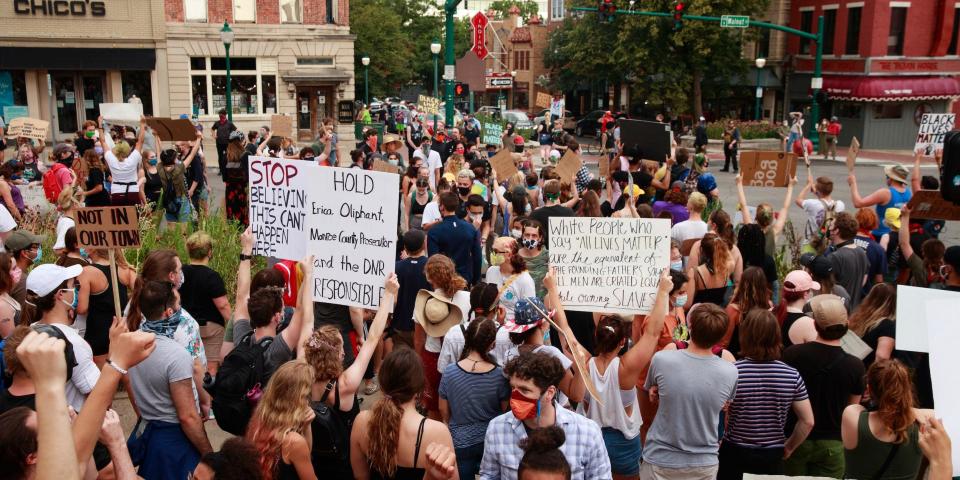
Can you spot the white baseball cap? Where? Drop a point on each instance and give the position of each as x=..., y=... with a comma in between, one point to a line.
x=47, y=277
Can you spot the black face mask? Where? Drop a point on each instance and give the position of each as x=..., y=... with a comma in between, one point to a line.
x=463, y=190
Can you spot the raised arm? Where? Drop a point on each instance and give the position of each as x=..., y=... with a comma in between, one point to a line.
x=782, y=215
x=742, y=199
x=878, y=197
x=193, y=151
x=301, y=325
x=263, y=144
x=806, y=188
x=638, y=357
x=352, y=377
x=243, y=276
x=906, y=250
x=915, y=179
x=140, y=134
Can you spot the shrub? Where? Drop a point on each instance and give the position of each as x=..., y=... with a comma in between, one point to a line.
x=749, y=130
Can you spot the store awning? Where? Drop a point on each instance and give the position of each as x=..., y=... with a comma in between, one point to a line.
x=21, y=58
x=883, y=89
x=328, y=75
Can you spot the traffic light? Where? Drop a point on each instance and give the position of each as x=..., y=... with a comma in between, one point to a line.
x=678, y=10
x=607, y=11
x=458, y=89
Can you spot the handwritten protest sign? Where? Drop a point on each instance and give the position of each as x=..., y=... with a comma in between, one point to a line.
x=944, y=358
x=767, y=169
x=384, y=166
x=175, y=130
x=912, y=321
x=126, y=114
x=107, y=227
x=492, y=133
x=568, y=166
x=503, y=163
x=281, y=126
x=279, y=205
x=609, y=264
x=28, y=127
x=929, y=204
x=544, y=99
x=933, y=127
x=852, y=153
x=429, y=105
x=353, y=234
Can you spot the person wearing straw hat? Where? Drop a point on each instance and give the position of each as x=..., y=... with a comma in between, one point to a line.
x=895, y=195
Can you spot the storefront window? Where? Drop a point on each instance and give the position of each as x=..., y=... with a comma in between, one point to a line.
x=269, y=84
x=251, y=92
x=13, y=94
x=137, y=84
x=847, y=110
x=888, y=111
x=243, y=93
x=200, y=106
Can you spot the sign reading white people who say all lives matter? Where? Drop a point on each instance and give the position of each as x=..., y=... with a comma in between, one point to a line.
x=609, y=264
x=345, y=218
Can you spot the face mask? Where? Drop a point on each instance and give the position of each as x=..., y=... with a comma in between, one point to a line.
x=463, y=190
x=476, y=217
x=524, y=408
x=76, y=297
x=530, y=243
x=89, y=133
x=677, y=266
x=393, y=161
x=680, y=301
x=84, y=254
x=496, y=259
x=98, y=149
x=516, y=233
x=16, y=273
x=152, y=161
x=36, y=259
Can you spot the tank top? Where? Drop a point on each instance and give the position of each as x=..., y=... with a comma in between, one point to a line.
x=868, y=458
x=897, y=200
x=17, y=310
x=152, y=186
x=615, y=401
x=406, y=473
x=100, y=311
x=788, y=322
x=709, y=295
x=415, y=207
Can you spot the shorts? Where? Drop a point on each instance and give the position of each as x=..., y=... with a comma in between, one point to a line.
x=212, y=336
x=431, y=398
x=649, y=471
x=122, y=199
x=200, y=194
x=184, y=213
x=624, y=453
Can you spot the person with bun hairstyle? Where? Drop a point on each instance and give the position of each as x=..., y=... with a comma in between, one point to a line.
x=542, y=458
x=393, y=440
x=719, y=224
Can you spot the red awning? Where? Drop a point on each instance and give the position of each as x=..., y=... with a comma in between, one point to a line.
x=882, y=89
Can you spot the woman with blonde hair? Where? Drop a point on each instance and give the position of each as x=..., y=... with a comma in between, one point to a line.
x=883, y=444
x=874, y=321
x=280, y=426
x=454, y=164
x=392, y=440
x=70, y=199
x=124, y=162
x=709, y=278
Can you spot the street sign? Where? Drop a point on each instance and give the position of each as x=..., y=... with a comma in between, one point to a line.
x=479, y=22
x=499, y=81
x=734, y=21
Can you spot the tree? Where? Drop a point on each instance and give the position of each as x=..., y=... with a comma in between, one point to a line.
x=528, y=8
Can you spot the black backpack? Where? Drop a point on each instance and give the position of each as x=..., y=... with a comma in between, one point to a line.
x=331, y=436
x=239, y=384
x=950, y=168
x=169, y=196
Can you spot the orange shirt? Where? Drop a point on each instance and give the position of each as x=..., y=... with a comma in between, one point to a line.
x=673, y=319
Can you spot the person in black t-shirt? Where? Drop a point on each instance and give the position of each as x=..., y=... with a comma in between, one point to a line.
x=221, y=133
x=196, y=179
x=551, y=208
x=471, y=134
x=204, y=295
x=412, y=280
x=94, y=193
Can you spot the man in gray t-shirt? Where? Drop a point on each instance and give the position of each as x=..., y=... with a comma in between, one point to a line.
x=693, y=384
x=850, y=263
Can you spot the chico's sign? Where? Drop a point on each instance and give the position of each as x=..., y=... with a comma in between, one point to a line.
x=60, y=8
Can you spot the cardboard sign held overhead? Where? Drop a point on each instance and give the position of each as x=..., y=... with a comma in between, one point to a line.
x=28, y=127
x=568, y=166
x=543, y=99
x=170, y=130
x=429, y=105
x=646, y=140
x=933, y=128
x=852, y=153
x=930, y=205
x=767, y=169
x=604, y=164
x=107, y=227
x=126, y=114
x=503, y=163
x=281, y=126
x=492, y=133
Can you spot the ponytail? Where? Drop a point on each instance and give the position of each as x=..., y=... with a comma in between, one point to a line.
x=401, y=380
x=891, y=388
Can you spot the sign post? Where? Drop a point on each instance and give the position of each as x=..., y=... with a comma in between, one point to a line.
x=110, y=228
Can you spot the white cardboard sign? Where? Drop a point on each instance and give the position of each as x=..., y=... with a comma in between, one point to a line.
x=609, y=264
x=933, y=128
x=279, y=205
x=912, y=318
x=126, y=114
x=944, y=358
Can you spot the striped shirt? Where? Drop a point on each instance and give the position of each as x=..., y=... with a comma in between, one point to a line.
x=765, y=394
x=474, y=399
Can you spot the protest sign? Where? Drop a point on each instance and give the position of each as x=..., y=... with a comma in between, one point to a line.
x=767, y=169
x=609, y=264
x=912, y=320
x=544, y=99
x=944, y=358
x=568, y=166
x=28, y=127
x=504, y=165
x=556, y=107
x=852, y=153
x=604, y=166
x=281, y=126
x=384, y=166
x=645, y=140
x=929, y=204
x=126, y=114
x=109, y=227
x=428, y=105
x=933, y=127
x=279, y=205
x=353, y=234
x=492, y=133
x=169, y=129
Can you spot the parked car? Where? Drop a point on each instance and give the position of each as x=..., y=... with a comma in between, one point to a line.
x=488, y=110
x=589, y=124
x=569, y=123
x=518, y=118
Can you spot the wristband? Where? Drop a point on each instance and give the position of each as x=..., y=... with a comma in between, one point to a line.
x=245, y=257
x=115, y=367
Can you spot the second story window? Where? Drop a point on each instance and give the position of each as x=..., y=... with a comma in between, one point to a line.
x=244, y=10
x=806, y=24
x=853, y=30
x=195, y=10
x=291, y=11
x=898, y=25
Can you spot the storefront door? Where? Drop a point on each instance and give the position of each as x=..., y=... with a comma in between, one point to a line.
x=78, y=97
x=313, y=105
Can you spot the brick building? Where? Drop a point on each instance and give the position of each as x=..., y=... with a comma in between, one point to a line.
x=885, y=63
x=60, y=60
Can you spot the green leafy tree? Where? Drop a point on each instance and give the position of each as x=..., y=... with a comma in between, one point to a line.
x=528, y=8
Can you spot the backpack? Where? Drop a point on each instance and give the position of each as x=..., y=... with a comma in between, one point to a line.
x=239, y=384
x=331, y=436
x=169, y=196
x=825, y=221
x=51, y=186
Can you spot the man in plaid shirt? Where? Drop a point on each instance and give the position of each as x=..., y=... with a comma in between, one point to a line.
x=534, y=379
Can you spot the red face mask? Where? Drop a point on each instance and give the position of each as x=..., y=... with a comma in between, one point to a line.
x=524, y=408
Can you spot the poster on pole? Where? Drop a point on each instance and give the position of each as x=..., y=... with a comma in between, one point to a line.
x=944, y=358
x=767, y=169
x=429, y=105
x=568, y=166
x=32, y=128
x=108, y=227
x=492, y=132
x=933, y=128
x=279, y=205
x=352, y=234
x=609, y=264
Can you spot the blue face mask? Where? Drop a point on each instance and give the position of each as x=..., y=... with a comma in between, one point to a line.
x=36, y=259
x=98, y=149
x=546, y=337
x=76, y=297
x=84, y=254
x=152, y=161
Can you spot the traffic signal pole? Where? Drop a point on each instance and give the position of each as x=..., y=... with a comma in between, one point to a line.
x=815, y=84
x=449, y=61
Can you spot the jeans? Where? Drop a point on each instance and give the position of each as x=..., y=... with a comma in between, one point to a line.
x=468, y=460
x=222, y=157
x=730, y=154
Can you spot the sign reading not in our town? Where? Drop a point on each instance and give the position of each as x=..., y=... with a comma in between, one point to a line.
x=107, y=227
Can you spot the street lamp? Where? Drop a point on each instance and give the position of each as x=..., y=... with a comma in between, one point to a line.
x=513, y=87
x=366, y=79
x=435, y=50
x=760, y=62
x=226, y=36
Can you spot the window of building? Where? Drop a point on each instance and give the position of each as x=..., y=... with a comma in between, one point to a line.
x=853, y=30
x=847, y=110
x=898, y=25
x=315, y=61
x=829, y=30
x=763, y=44
x=889, y=111
x=333, y=11
x=195, y=10
x=13, y=94
x=137, y=84
x=291, y=11
x=245, y=10
x=198, y=63
x=806, y=24
x=521, y=60
x=251, y=92
x=952, y=49
x=556, y=9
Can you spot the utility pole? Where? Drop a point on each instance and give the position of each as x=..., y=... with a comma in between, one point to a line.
x=449, y=62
